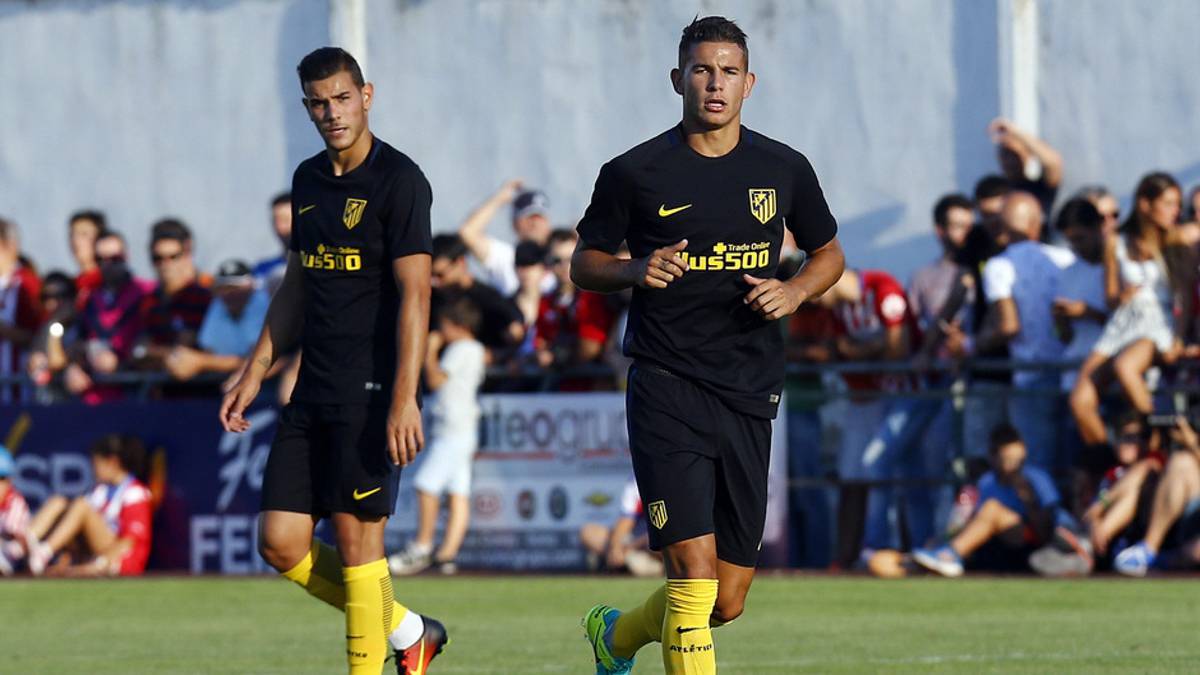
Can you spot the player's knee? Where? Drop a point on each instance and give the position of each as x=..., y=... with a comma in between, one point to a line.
x=281, y=554
x=727, y=609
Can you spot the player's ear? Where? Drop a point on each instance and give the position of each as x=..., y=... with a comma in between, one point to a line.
x=750, y=79
x=677, y=81
x=368, y=91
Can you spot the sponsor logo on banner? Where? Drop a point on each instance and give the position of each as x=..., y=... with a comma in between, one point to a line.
x=487, y=504
x=526, y=504
x=558, y=502
x=598, y=499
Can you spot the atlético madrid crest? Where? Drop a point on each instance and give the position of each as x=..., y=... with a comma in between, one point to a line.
x=656, y=513
x=354, y=212
x=762, y=204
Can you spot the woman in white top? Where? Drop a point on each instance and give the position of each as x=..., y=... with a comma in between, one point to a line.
x=1149, y=274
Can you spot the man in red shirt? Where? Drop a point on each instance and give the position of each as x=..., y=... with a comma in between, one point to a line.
x=20, y=307
x=572, y=325
x=110, y=525
x=84, y=228
x=173, y=313
x=874, y=323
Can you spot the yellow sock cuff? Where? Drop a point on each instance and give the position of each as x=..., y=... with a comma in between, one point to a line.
x=691, y=597
x=301, y=571
x=372, y=570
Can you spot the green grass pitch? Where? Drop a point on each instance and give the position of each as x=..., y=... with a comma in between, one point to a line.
x=518, y=625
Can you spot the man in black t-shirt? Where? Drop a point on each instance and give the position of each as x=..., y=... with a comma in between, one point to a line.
x=355, y=296
x=501, y=328
x=702, y=207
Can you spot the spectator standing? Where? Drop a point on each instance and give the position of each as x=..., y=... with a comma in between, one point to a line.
x=1106, y=204
x=530, y=259
x=1020, y=285
x=1080, y=306
x=56, y=339
x=230, y=327
x=173, y=313
x=572, y=325
x=14, y=516
x=1029, y=163
x=501, y=328
x=110, y=322
x=931, y=286
x=1148, y=275
x=530, y=222
x=455, y=377
x=269, y=271
x=84, y=228
x=20, y=308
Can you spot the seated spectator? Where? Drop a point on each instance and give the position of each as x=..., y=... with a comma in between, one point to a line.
x=56, y=339
x=1175, y=514
x=1020, y=285
x=85, y=228
x=1121, y=508
x=172, y=314
x=530, y=222
x=269, y=271
x=501, y=328
x=1019, y=512
x=230, y=328
x=20, y=308
x=109, y=324
x=1029, y=163
x=455, y=376
x=623, y=546
x=1149, y=280
x=14, y=516
x=573, y=324
x=107, y=531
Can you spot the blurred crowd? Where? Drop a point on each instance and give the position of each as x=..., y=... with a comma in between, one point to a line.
x=1095, y=304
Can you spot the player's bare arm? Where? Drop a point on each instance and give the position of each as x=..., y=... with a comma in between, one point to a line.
x=280, y=333
x=775, y=299
x=602, y=272
x=404, y=432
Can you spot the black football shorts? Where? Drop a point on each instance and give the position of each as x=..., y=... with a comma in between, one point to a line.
x=331, y=459
x=701, y=467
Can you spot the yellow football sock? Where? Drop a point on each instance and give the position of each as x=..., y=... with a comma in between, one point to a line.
x=687, y=643
x=369, y=616
x=320, y=573
x=641, y=626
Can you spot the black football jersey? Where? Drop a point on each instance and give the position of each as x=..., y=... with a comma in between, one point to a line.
x=347, y=230
x=732, y=210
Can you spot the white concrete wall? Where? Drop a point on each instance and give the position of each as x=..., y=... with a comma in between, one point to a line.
x=191, y=109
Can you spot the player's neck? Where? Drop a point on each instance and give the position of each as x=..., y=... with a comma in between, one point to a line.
x=712, y=142
x=345, y=161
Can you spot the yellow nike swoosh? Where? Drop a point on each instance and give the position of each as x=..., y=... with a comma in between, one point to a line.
x=664, y=211
x=358, y=496
x=305, y=209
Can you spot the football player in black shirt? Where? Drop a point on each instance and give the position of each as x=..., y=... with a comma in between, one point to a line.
x=355, y=297
x=702, y=207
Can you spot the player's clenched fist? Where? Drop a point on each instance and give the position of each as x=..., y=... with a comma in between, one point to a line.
x=771, y=298
x=663, y=266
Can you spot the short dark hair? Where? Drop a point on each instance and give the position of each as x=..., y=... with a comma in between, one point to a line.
x=956, y=200
x=1079, y=212
x=449, y=246
x=327, y=62
x=281, y=198
x=1132, y=416
x=990, y=186
x=129, y=451
x=461, y=311
x=562, y=234
x=94, y=215
x=1002, y=434
x=711, y=29
x=170, y=228
x=60, y=278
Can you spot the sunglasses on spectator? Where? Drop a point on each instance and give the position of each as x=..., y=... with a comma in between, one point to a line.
x=554, y=260
x=118, y=258
x=161, y=258
x=1115, y=215
x=61, y=294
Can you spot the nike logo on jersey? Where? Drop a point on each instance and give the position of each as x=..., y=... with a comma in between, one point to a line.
x=359, y=496
x=681, y=630
x=664, y=211
x=305, y=209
